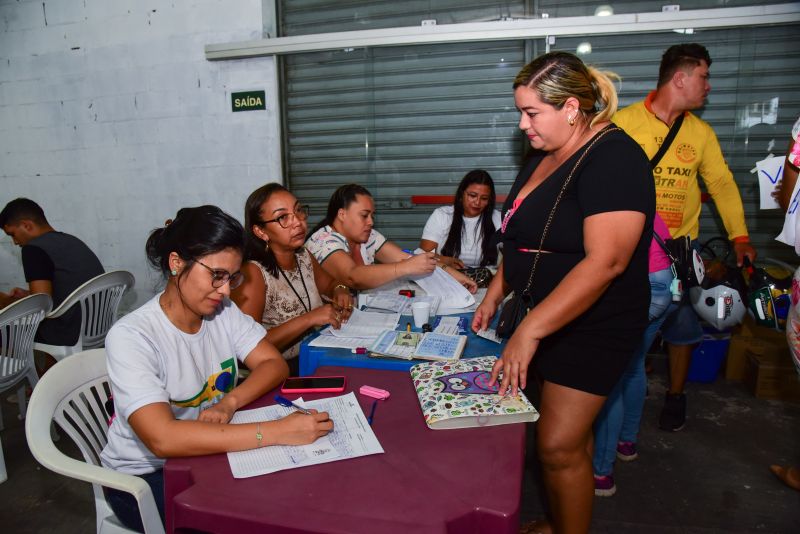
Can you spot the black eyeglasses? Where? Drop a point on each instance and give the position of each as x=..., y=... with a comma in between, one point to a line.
x=220, y=277
x=301, y=212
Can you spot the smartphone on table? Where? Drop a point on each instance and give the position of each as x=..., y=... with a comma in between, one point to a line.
x=313, y=384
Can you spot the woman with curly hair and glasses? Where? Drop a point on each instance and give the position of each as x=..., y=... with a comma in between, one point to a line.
x=284, y=284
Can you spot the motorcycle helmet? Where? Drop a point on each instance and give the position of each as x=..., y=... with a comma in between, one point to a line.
x=719, y=299
x=770, y=293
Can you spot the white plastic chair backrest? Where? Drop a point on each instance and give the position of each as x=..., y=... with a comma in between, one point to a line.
x=74, y=393
x=18, y=324
x=99, y=299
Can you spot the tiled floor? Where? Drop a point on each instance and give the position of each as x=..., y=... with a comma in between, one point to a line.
x=710, y=477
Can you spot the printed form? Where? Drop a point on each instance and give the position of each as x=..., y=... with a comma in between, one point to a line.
x=367, y=324
x=351, y=437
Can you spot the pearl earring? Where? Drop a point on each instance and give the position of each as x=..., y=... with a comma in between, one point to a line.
x=571, y=120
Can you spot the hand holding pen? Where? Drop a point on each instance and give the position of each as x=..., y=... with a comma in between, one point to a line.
x=299, y=427
x=286, y=403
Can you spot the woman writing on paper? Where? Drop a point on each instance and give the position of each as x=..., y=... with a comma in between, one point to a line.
x=172, y=363
x=283, y=283
x=463, y=233
x=581, y=214
x=347, y=246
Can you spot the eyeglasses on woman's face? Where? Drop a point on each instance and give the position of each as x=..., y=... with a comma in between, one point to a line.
x=220, y=277
x=300, y=212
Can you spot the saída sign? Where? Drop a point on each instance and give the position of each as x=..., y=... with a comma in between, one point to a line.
x=248, y=101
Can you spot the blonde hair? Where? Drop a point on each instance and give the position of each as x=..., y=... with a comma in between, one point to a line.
x=557, y=76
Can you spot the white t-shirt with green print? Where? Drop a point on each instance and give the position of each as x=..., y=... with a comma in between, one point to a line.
x=150, y=360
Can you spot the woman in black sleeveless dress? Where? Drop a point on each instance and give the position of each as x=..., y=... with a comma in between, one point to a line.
x=590, y=287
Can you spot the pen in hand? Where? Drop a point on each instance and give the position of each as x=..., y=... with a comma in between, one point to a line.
x=283, y=401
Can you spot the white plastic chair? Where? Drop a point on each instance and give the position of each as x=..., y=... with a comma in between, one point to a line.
x=73, y=393
x=99, y=299
x=18, y=324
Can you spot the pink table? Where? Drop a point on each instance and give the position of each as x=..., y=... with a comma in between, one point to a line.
x=427, y=481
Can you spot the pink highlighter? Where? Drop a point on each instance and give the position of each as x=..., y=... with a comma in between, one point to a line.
x=375, y=393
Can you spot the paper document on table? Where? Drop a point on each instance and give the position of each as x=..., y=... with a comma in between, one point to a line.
x=351, y=437
x=367, y=324
x=448, y=325
x=490, y=334
x=266, y=460
x=453, y=294
x=334, y=342
x=447, y=310
x=387, y=301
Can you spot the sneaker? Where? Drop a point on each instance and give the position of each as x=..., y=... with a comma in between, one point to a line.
x=626, y=451
x=673, y=415
x=604, y=486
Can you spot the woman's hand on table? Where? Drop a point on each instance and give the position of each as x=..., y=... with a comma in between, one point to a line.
x=450, y=261
x=463, y=279
x=327, y=314
x=299, y=429
x=483, y=315
x=343, y=302
x=514, y=362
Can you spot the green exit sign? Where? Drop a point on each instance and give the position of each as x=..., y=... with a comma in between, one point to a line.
x=248, y=101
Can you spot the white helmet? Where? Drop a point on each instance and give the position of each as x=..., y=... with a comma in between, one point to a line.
x=721, y=306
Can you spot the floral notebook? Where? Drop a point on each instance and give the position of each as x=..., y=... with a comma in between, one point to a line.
x=456, y=394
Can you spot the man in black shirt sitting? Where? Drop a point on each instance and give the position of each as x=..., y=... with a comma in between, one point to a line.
x=55, y=263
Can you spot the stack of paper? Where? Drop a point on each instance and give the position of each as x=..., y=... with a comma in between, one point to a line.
x=441, y=284
x=360, y=330
x=367, y=324
x=387, y=301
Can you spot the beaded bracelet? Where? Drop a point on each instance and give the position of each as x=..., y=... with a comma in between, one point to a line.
x=337, y=286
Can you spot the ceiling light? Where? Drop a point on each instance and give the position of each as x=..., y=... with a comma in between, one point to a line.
x=604, y=10
x=584, y=48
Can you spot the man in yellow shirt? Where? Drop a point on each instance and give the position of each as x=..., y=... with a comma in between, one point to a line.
x=695, y=151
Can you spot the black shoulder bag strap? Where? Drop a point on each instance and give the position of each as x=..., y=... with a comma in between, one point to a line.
x=673, y=131
x=664, y=248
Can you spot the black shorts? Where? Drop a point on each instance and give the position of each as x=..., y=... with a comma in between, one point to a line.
x=587, y=361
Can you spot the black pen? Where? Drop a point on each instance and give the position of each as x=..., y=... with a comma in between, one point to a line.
x=372, y=412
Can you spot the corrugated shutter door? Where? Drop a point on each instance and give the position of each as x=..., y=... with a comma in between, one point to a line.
x=401, y=121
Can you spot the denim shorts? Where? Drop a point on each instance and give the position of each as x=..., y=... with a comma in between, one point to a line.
x=682, y=325
x=660, y=294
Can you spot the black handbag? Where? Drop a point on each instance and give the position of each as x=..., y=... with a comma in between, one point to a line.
x=687, y=263
x=481, y=275
x=513, y=312
x=518, y=306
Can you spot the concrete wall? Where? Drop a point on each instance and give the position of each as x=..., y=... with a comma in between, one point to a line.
x=112, y=119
